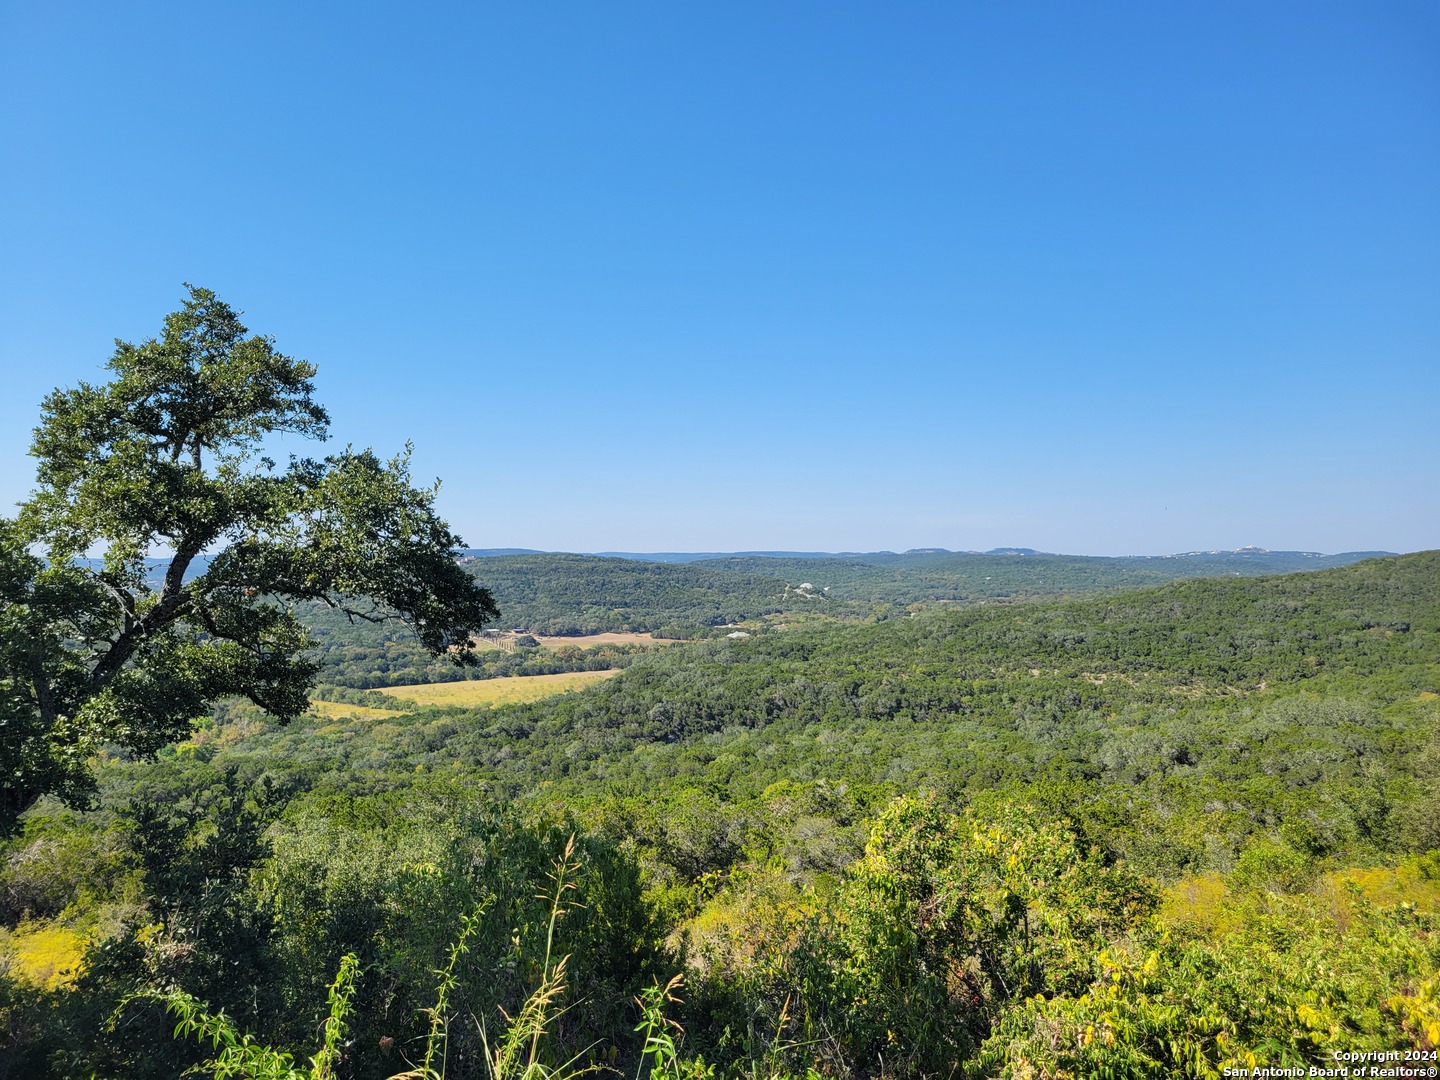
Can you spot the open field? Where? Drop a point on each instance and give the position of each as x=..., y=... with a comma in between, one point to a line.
x=495, y=691
x=338, y=709
x=586, y=641
x=580, y=641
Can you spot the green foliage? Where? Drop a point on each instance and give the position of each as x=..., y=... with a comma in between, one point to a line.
x=1272, y=866
x=586, y=594
x=201, y=933
x=169, y=454
x=563, y=595
x=960, y=944
x=25, y=1024
x=437, y=1039
x=255, y=920
x=1286, y=989
x=993, y=946
x=58, y=868
x=944, y=923
x=386, y=879
x=516, y=1054
x=240, y=1056
x=1420, y=819
x=659, y=1033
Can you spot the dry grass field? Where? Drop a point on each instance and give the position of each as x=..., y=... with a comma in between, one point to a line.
x=474, y=692
x=334, y=710
x=588, y=641
x=506, y=641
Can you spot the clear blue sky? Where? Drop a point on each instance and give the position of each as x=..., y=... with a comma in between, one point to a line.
x=1087, y=277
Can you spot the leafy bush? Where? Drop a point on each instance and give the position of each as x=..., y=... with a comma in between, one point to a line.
x=945, y=921
x=1287, y=988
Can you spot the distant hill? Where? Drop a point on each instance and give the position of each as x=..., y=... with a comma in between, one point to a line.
x=1278, y=561
x=1016, y=573
x=701, y=556
x=669, y=556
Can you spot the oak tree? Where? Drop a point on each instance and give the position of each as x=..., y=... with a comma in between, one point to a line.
x=103, y=644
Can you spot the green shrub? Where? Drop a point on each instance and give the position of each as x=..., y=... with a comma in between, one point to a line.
x=947, y=920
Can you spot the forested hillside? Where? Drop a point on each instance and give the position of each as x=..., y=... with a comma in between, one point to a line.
x=1151, y=833
x=955, y=576
x=585, y=594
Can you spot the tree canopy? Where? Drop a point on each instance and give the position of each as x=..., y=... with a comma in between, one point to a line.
x=100, y=645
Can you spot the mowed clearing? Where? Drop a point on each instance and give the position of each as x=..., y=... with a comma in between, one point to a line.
x=506, y=691
x=507, y=641
x=587, y=641
x=334, y=710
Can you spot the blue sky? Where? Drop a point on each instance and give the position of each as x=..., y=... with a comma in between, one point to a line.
x=1096, y=278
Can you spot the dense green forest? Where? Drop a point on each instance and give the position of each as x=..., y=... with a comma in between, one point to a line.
x=929, y=576
x=1145, y=833
x=586, y=594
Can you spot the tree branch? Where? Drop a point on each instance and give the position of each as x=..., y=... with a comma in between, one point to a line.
x=44, y=698
x=169, y=607
x=123, y=599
